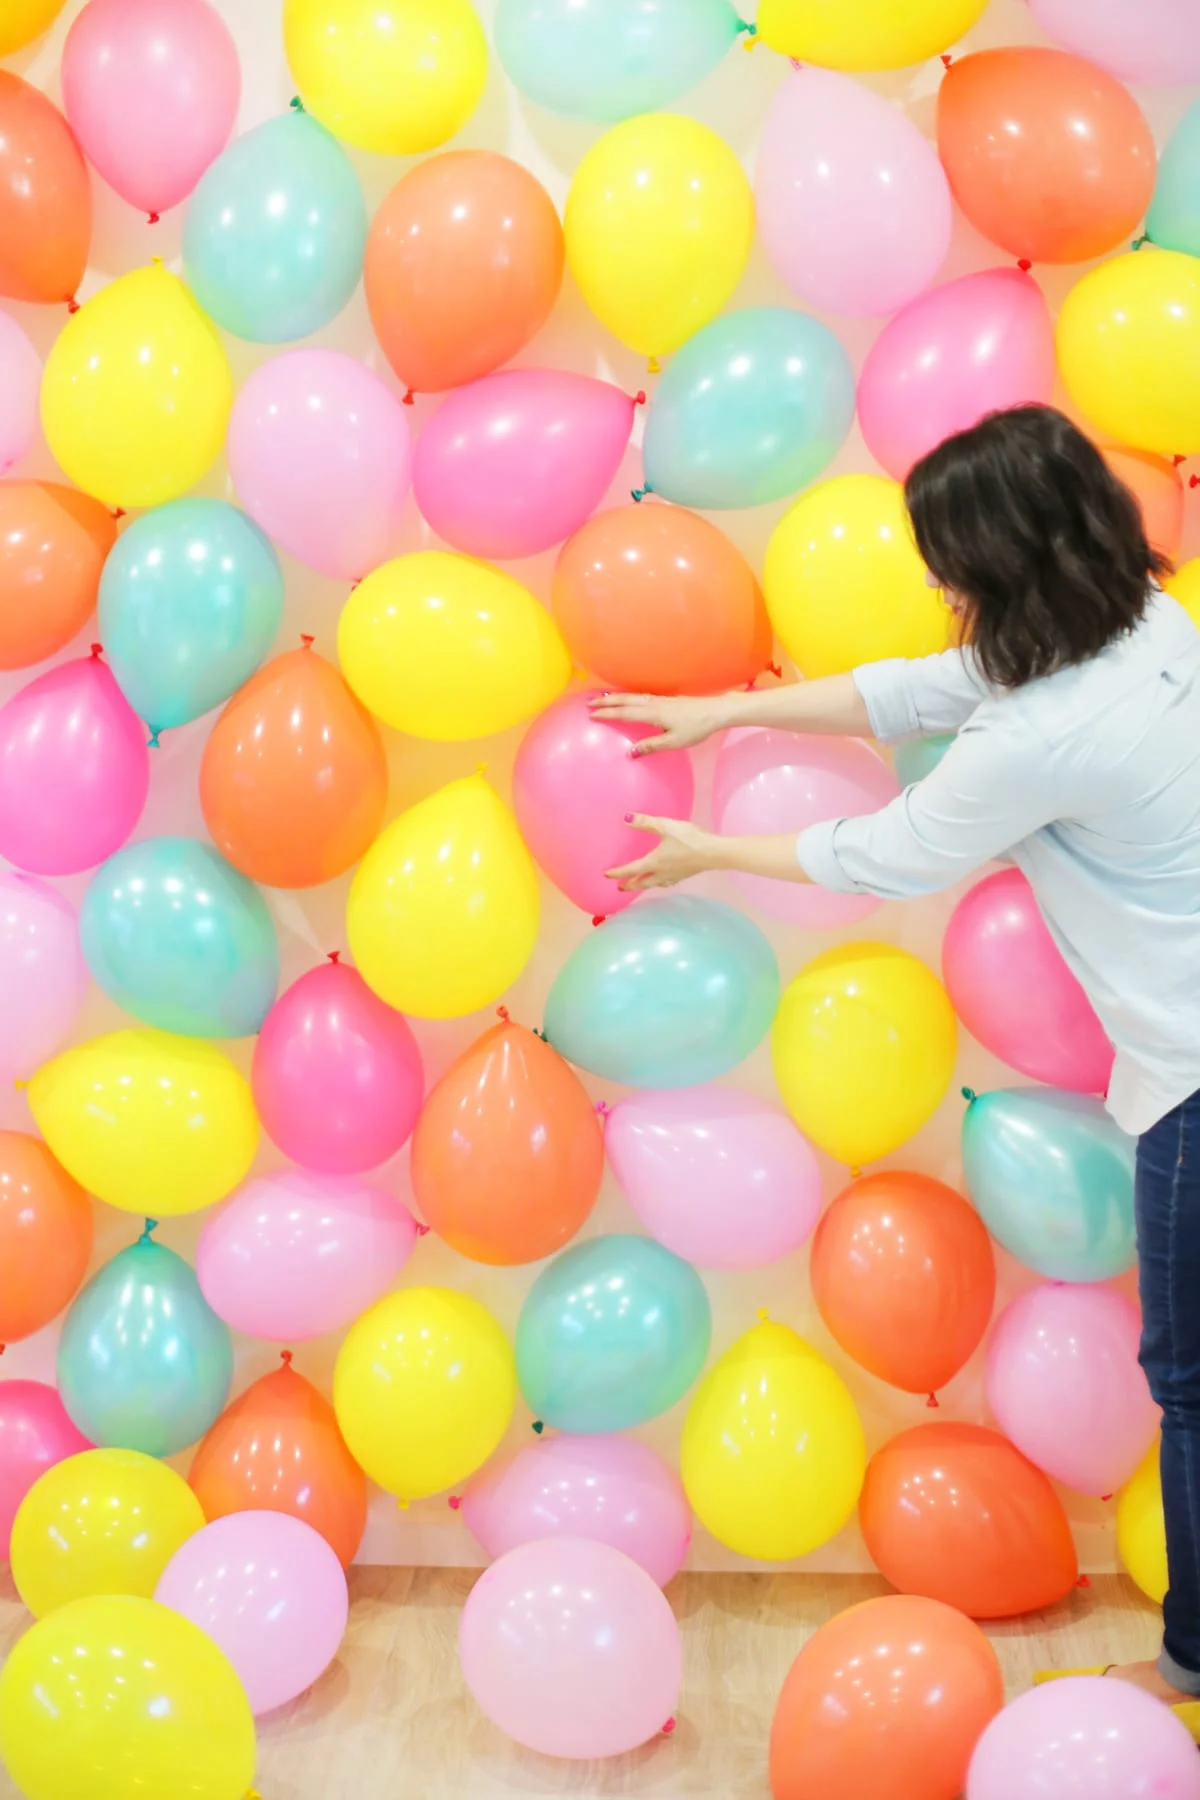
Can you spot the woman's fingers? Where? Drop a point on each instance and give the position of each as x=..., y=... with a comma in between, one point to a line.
x=638, y=709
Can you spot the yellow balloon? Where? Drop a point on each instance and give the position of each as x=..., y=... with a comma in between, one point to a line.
x=864, y=1044
x=424, y=1389
x=396, y=76
x=150, y=1122
x=865, y=34
x=1129, y=349
x=103, y=1522
x=137, y=391
x=844, y=583
x=1141, y=1533
x=443, y=909
x=442, y=646
x=114, y=1697
x=1184, y=584
x=659, y=222
x=23, y=20
x=773, y=1454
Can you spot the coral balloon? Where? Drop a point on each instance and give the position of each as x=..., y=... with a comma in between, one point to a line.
x=1155, y=485
x=43, y=976
x=1129, y=349
x=20, y=381
x=35, y=1434
x=876, y=35
x=508, y=1154
x=1079, y=1737
x=1157, y=43
x=1141, y=1531
x=955, y=1513
x=25, y=20
x=53, y=542
x=293, y=783
x=45, y=196
x=45, y=1236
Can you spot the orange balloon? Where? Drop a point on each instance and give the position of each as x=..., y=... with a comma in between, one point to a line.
x=45, y=197
x=508, y=1153
x=886, y=1702
x=293, y=782
x=1048, y=156
x=278, y=1449
x=463, y=266
x=53, y=542
x=45, y=1236
x=655, y=600
x=956, y=1513
x=1155, y=485
x=905, y=1278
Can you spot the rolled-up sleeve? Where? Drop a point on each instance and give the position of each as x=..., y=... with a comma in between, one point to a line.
x=920, y=698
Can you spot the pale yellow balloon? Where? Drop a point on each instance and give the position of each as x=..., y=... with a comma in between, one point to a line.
x=23, y=20
x=773, y=1454
x=443, y=646
x=395, y=76
x=843, y=581
x=659, y=223
x=865, y=34
x=137, y=391
x=1129, y=349
x=1141, y=1532
x=150, y=1122
x=443, y=910
x=1184, y=586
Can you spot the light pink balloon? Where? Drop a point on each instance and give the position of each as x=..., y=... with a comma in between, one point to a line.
x=775, y=781
x=269, y=1592
x=74, y=770
x=853, y=204
x=337, y=1074
x=720, y=1177
x=966, y=349
x=35, y=1433
x=611, y=1490
x=292, y=1256
x=512, y=464
x=1012, y=990
x=1152, y=41
x=151, y=88
x=574, y=781
x=43, y=977
x=321, y=458
x=20, y=388
x=1085, y=1738
x=570, y=1648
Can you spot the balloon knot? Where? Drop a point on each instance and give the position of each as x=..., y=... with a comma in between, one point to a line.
x=603, y=1108
x=639, y=494
x=253, y=1794
x=157, y=262
x=763, y=1316
x=20, y=1084
x=748, y=28
x=539, y=1426
x=669, y=1727
x=152, y=218
x=599, y=918
x=1138, y=242
x=1085, y=1581
x=97, y=651
x=502, y=1012
x=480, y=769
x=1106, y=1496
x=3, y=1348
x=118, y=512
x=285, y=1357
x=947, y=59
x=752, y=38
x=1024, y=265
x=150, y=1226
x=152, y=742
x=402, y=1506
x=333, y=956
x=307, y=639
x=933, y=1402
x=1176, y=460
x=540, y=1034
x=296, y=103
x=776, y=669
x=653, y=366
x=855, y=1172
x=970, y=1096
x=423, y=1230
x=410, y=399
x=72, y=305
x=1194, y=481
x=796, y=63
x=454, y=1502
x=639, y=399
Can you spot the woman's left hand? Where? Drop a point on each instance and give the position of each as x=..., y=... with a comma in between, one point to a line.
x=684, y=850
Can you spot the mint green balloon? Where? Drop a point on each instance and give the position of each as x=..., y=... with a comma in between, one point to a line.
x=1173, y=221
x=610, y=59
x=920, y=758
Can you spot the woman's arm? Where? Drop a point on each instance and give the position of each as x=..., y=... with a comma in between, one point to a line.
x=832, y=706
x=685, y=850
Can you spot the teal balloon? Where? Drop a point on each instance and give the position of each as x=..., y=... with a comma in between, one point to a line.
x=191, y=599
x=752, y=408
x=1051, y=1176
x=1173, y=221
x=180, y=939
x=612, y=1333
x=144, y=1363
x=275, y=231
x=920, y=758
x=667, y=994
x=609, y=59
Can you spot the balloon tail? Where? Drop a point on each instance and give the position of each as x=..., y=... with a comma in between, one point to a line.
x=539, y=1426
x=933, y=1402
x=97, y=651
x=307, y=639
x=285, y=1357
x=1194, y=481
x=970, y=1096
x=603, y=1108
x=947, y=59
x=1176, y=460
x=763, y=1316
x=1085, y=1581
x=1024, y=265
x=3, y=1348
x=20, y=1085
x=669, y=1727
x=454, y=1502
x=640, y=493
x=423, y=1230
x=118, y=512
x=402, y=1506
x=1138, y=242
x=410, y=399
x=152, y=742
x=333, y=956
x=855, y=1172
x=1106, y=1496
x=296, y=103
x=72, y=304
x=775, y=669
x=796, y=63
x=599, y=918
x=639, y=399
x=540, y=1034
x=147, y=1228
x=653, y=366
x=153, y=218
x=752, y=38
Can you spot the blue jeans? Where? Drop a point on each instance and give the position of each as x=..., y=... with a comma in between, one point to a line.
x=1168, y=1231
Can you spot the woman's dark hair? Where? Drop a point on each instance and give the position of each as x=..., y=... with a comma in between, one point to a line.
x=1023, y=518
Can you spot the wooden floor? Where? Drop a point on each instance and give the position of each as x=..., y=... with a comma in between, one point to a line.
x=392, y=1719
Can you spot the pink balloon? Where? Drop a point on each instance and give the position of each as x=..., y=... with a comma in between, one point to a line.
x=269, y=1592
x=775, y=781
x=43, y=977
x=574, y=781
x=570, y=1648
x=337, y=1074
x=35, y=1433
x=74, y=770
x=20, y=388
x=512, y=464
x=853, y=204
x=321, y=457
x=720, y=1177
x=1012, y=990
x=1154, y=41
x=292, y=1255
x=151, y=88
x=1085, y=1739
x=969, y=348
x=611, y=1490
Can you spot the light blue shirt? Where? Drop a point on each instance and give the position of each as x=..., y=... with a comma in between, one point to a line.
x=1089, y=781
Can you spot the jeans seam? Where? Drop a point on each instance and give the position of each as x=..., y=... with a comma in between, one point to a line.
x=1172, y=1233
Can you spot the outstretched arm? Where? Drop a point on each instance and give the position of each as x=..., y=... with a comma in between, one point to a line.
x=832, y=706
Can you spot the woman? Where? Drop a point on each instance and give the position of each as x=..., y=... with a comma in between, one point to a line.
x=1076, y=700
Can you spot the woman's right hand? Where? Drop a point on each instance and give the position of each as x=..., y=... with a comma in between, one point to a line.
x=682, y=719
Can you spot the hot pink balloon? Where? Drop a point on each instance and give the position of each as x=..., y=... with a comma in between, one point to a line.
x=269, y=1592
x=720, y=1177
x=337, y=1074
x=20, y=388
x=35, y=1433
x=611, y=1490
x=775, y=781
x=515, y=463
x=43, y=977
x=969, y=348
x=293, y=1255
x=151, y=88
x=1012, y=990
x=74, y=770
x=853, y=204
x=321, y=457
x=574, y=781
x=1085, y=1738
x=1154, y=41
x=570, y=1648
